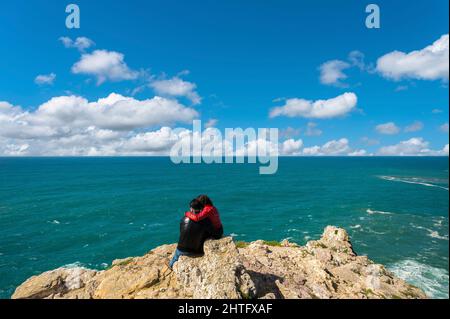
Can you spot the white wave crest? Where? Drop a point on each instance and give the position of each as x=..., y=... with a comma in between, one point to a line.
x=76, y=264
x=371, y=212
x=412, y=180
x=433, y=281
x=431, y=233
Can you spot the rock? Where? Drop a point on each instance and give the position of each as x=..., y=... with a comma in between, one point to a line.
x=325, y=268
x=137, y=277
x=56, y=283
x=287, y=243
x=217, y=275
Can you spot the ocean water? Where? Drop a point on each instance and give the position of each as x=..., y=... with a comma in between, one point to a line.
x=89, y=211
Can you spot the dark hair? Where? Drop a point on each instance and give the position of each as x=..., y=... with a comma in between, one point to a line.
x=205, y=200
x=196, y=205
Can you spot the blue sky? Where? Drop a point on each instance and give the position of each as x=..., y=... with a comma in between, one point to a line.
x=232, y=62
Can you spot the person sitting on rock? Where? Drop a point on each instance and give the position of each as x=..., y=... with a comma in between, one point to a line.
x=208, y=212
x=193, y=234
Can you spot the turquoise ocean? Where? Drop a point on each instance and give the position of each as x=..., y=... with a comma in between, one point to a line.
x=88, y=211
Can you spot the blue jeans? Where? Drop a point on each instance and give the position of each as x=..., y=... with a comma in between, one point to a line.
x=177, y=255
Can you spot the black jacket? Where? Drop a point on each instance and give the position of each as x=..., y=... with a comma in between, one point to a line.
x=193, y=235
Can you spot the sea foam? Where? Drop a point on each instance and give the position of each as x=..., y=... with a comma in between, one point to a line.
x=371, y=212
x=431, y=233
x=433, y=281
x=412, y=180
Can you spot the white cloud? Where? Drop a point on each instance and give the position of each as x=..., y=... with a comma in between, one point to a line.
x=15, y=150
x=311, y=151
x=414, y=127
x=80, y=43
x=331, y=148
x=255, y=146
x=45, y=79
x=436, y=111
x=312, y=130
x=71, y=125
x=445, y=150
x=331, y=72
x=444, y=128
x=289, y=132
x=416, y=146
x=176, y=87
x=319, y=109
x=358, y=153
x=336, y=147
x=291, y=147
x=159, y=141
x=430, y=63
x=387, y=128
x=339, y=147
x=356, y=58
x=211, y=123
x=105, y=65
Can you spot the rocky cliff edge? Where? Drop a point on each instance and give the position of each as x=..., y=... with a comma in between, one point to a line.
x=326, y=268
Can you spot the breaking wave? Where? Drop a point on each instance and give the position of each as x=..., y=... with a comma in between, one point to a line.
x=413, y=180
x=431, y=233
x=433, y=281
x=371, y=212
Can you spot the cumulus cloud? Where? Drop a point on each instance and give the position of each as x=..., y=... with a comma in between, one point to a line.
x=320, y=109
x=334, y=147
x=339, y=147
x=358, y=153
x=256, y=146
x=415, y=146
x=291, y=147
x=159, y=141
x=114, y=112
x=104, y=65
x=71, y=125
x=331, y=72
x=118, y=125
x=176, y=87
x=430, y=63
x=414, y=127
x=387, y=128
x=45, y=79
x=211, y=123
x=80, y=43
x=444, y=128
x=15, y=150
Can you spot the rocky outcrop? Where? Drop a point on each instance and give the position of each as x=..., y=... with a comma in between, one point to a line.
x=326, y=268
